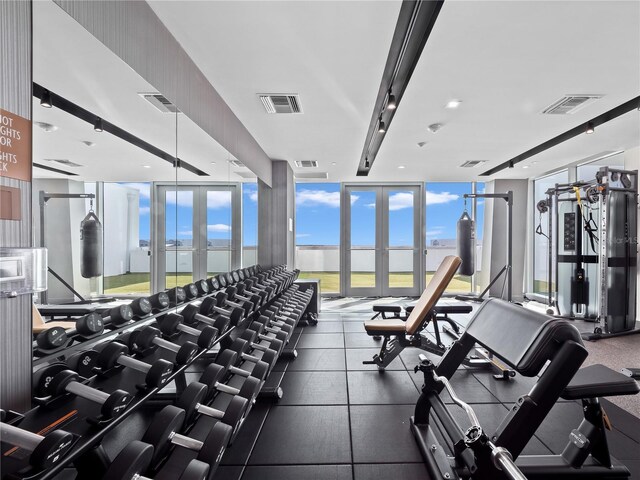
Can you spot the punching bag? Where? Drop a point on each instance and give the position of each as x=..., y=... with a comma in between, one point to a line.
x=90, y=246
x=466, y=244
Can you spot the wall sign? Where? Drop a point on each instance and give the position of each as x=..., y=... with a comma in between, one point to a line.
x=15, y=146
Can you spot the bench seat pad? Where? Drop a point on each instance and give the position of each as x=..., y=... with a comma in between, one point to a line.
x=599, y=381
x=388, y=326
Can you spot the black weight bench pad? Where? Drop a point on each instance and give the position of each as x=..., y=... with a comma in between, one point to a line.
x=387, y=308
x=599, y=381
x=524, y=339
x=447, y=307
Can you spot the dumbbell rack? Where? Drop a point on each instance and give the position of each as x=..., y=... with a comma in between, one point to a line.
x=77, y=415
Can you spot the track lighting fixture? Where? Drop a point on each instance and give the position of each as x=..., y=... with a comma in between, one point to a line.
x=382, y=128
x=590, y=128
x=45, y=99
x=366, y=163
x=97, y=126
x=510, y=163
x=391, y=103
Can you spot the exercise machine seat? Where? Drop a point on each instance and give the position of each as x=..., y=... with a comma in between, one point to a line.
x=39, y=325
x=447, y=307
x=522, y=338
x=599, y=381
x=387, y=309
x=427, y=301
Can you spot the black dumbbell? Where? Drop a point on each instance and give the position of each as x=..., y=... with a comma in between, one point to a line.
x=191, y=315
x=193, y=399
x=190, y=291
x=253, y=337
x=213, y=284
x=222, y=280
x=236, y=276
x=229, y=278
x=215, y=305
x=203, y=287
x=87, y=326
x=230, y=359
x=118, y=316
x=159, y=301
x=244, y=289
x=162, y=434
x=135, y=459
x=45, y=451
x=241, y=348
x=148, y=337
x=171, y=324
x=233, y=301
x=83, y=362
x=56, y=379
x=114, y=354
x=51, y=339
x=272, y=325
x=141, y=307
x=177, y=295
x=214, y=376
x=254, y=299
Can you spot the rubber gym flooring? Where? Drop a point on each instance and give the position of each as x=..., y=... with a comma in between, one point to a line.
x=341, y=420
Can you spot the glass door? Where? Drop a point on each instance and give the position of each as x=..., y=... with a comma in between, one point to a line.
x=381, y=240
x=198, y=230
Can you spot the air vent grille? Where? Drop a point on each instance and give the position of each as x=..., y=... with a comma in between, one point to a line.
x=237, y=163
x=570, y=104
x=281, y=102
x=311, y=175
x=63, y=161
x=160, y=102
x=306, y=163
x=472, y=163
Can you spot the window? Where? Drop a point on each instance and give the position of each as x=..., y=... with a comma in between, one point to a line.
x=127, y=213
x=541, y=240
x=249, y=224
x=318, y=233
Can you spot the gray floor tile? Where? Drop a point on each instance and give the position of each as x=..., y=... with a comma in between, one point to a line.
x=375, y=388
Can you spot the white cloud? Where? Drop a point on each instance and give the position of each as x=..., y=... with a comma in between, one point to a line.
x=253, y=196
x=400, y=200
x=312, y=198
x=182, y=198
x=144, y=210
x=434, y=198
x=435, y=232
x=218, y=198
x=143, y=188
x=218, y=227
x=185, y=233
x=302, y=235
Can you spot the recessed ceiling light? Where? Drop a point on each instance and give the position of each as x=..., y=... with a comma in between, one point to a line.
x=89, y=143
x=401, y=166
x=146, y=166
x=453, y=103
x=434, y=127
x=212, y=163
x=47, y=127
x=333, y=163
x=525, y=166
x=533, y=163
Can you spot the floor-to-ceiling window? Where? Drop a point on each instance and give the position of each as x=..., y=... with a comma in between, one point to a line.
x=445, y=204
x=249, y=224
x=318, y=233
x=541, y=236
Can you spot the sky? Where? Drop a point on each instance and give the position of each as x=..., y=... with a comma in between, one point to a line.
x=317, y=213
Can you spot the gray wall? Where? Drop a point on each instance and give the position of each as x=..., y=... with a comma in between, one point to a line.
x=15, y=313
x=134, y=32
x=495, y=236
x=276, y=212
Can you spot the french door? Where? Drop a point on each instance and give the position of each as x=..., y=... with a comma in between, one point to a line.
x=197, y=232
x=382, y=240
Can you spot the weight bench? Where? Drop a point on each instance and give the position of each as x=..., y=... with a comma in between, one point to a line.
x=532, y=344
x=39, y=325
x=399, y=333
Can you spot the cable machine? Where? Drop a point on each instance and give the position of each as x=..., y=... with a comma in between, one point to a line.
x=593, y=246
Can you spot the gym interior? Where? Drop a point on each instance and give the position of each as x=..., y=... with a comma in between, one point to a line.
x=319, y=239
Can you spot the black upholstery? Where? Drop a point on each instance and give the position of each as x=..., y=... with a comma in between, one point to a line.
x=522, y=338
x=387, y=308
x=599, y=381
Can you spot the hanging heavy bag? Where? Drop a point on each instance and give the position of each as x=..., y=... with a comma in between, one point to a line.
x=466, y=244
x=90, y=246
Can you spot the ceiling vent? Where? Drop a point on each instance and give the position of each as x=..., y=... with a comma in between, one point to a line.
x=237, y=163
x=306, y=163
x=281, y=102
x=63, y=161
x=472, y=163
x=160, y=102
x=311, y=175
x=570, y=104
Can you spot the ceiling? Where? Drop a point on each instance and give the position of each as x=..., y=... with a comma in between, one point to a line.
x=506, y=61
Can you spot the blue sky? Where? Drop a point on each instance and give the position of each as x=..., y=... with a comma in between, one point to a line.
x=318, y=214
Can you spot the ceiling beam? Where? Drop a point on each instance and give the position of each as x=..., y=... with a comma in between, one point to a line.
x=569, y=134
x=414, y=25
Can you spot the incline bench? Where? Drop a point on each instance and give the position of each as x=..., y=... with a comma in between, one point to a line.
x=533, y=344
